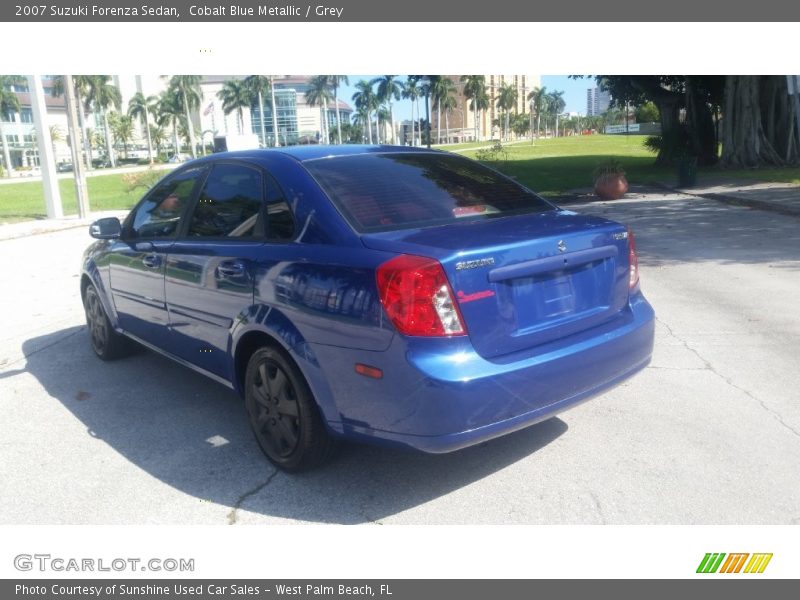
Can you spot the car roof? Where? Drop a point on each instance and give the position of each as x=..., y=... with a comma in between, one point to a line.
x=312, y=152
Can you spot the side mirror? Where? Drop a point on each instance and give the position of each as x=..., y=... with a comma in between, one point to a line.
x=106, y=229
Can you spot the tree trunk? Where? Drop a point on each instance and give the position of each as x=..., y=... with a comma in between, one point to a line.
x=438, y=122
x=777, y=114
x=149, y=141
x=87, y=143
x=447, y=126
x=338, y=115
x=744, y=143
x=189, y=125
x=261, y=118
x=700, y=126
x=274, y=111
x=108, y=140
x=6, y=152
x=669, y=109
x=391, y=120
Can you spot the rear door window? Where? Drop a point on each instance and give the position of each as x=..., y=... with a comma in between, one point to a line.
x=382, y=192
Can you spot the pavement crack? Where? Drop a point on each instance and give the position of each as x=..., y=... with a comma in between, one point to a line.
x=709, y=367
x=233, y=515
x=598, y=507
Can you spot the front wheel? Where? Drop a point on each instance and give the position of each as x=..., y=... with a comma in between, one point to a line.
x=106, y=343
x=283, y=414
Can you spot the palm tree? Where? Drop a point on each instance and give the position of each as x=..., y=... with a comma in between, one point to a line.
x=539, y=96
x=336, y=81
x=448, y=104
x=190, y=95
x=506, y=100
x=556, y=104
x=318, y=94
x=81, y=85
x=169, y=113
x=158, y=136
x=235, y=96
x=102, y=95
x=9, y=103
x=258, y=85
x=138, y=107
x=441, y=87
x=475, y=92
x=122, y=129
x=56, y=135
x=411, y=91
x=365, y=101
x=389, y=89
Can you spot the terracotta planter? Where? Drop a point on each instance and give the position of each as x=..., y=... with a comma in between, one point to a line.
x=611, y=187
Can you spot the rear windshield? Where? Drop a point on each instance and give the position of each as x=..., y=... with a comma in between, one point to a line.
x=382, y=192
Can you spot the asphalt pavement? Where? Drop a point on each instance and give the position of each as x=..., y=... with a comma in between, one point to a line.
x=708, y=434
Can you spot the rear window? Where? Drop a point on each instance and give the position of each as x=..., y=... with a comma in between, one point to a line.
x=382, y=192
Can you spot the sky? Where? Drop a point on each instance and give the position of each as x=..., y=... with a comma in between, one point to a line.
x=574, y=93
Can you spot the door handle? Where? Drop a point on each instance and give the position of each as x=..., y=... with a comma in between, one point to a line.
x=231, y=268
x=151, y=260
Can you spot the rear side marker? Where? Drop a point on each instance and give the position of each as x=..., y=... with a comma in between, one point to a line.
x=367, y=371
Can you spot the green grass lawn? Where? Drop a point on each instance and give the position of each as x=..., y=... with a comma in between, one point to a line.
x=554, y=166
x=25, y=201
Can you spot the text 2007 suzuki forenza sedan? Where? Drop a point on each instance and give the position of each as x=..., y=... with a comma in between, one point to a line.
x=387, y=294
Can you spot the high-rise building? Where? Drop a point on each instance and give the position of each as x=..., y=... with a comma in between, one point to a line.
x=597, y=101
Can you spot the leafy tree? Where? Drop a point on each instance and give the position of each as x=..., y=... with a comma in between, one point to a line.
x=388, y=89
x=506, y=100
x=259, y=86
x=441, y=88
x=475, y=92
x=170, y=113
x=318, y=94
x=158, y=136
x=103, y=95
x=556, y=105
x=365, y=101
x=411, y=91
x=121, y=129
x=190, y=95
x=138, y=108
x=647, y=113
x=9, y=103
x=540, y=98
x=336, y=81
x=235, y=96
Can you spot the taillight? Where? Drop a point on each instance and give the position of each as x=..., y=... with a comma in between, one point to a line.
x=417, y=297
x=633, y=260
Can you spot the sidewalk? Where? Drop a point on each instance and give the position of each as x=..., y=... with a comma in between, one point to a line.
x=782, y=198
x=10, y=231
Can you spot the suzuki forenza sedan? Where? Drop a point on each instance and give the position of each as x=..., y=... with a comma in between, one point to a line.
x=398, y=295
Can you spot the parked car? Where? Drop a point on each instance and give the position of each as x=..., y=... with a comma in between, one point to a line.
x=386, y=294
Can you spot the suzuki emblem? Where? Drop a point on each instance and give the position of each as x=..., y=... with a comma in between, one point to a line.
x=562, y=247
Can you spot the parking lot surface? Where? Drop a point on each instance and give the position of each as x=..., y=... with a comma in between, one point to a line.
x=709, y=433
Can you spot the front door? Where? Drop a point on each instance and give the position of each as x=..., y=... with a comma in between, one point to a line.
x=138, y=260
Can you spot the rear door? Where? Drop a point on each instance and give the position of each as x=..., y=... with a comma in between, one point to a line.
x=138, y=260
x=209, y=269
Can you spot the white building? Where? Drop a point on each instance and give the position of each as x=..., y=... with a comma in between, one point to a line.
x=597, y=101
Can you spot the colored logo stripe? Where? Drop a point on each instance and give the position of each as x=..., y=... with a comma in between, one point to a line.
x=733, y=564
x=758, y=563
x=710, y=562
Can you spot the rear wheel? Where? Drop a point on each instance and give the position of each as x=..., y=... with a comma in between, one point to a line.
x=283, y=414
x=106, y=343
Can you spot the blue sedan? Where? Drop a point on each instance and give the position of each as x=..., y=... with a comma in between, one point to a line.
x=398, y=295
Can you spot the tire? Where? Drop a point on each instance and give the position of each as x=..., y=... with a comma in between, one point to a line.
x=283, y=413
x=106, y=343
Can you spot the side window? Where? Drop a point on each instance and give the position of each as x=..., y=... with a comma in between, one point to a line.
x=228, y=204
x=280, y=224
x=158, y=215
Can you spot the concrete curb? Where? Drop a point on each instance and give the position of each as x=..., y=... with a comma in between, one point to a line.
x=736, y=200
x=22, y=229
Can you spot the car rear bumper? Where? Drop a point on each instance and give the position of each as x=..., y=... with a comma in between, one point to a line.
x=438, y=395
